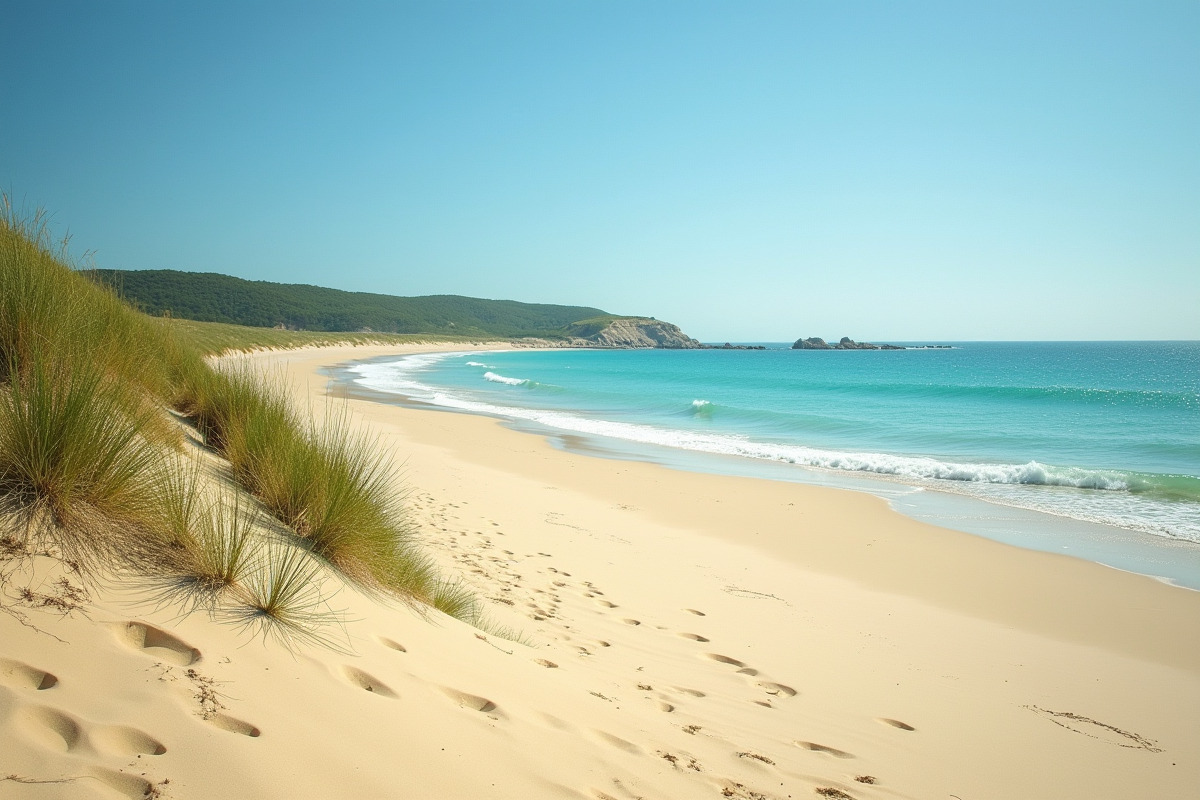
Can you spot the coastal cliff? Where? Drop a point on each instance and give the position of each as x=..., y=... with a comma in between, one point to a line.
x=624, y=333
x=632, y=332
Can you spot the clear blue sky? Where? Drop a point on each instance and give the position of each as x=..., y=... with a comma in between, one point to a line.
x=748, y=170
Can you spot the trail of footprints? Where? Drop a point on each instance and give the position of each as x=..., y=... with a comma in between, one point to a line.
x=507, y=577
x=56, y=731
x=504, y=577
x=169, y=649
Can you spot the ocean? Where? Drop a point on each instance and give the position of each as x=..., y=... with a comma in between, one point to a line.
x=1090, y=448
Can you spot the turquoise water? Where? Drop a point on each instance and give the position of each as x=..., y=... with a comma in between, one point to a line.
x=1096, y=432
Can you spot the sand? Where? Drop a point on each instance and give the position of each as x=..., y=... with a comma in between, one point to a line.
x=685, y=636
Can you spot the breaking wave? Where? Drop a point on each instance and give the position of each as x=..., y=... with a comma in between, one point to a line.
x=494, y=378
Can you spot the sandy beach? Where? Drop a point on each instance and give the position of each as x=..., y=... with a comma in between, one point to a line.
x=683, y=636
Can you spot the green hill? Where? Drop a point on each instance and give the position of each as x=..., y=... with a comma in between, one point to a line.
x=212, y=297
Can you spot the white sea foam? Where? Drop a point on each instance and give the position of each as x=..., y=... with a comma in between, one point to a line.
x=701, y=404
x=494, y=378
x=478, y=364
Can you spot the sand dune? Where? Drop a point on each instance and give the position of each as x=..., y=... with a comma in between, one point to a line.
x=684, y=636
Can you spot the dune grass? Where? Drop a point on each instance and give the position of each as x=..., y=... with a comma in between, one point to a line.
x=335, y=489
x=91, y=463
x=223, y=549
x=214, y=338
x=283, y=598
x=74, y=463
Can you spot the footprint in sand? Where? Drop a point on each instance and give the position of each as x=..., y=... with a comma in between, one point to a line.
x=131, y=786
x=555, y=722
x=17, y=675
x=628, y=621
x=777, y=689
x=233, y=725
x=545, y=663
x=368, y=682
x=123, y=740
x=392, y=643
x=158, y=643
x=57, y=730
x=694, y=611
x=471, y=701
x=50, y=728
x=895, y=723
x=695, y=637
x=617, y=742
x=606, y=604
x=733, y=662
x=692, y=692
x=820, y=748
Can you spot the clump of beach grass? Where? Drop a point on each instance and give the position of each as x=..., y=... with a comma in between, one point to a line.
x=213, y=550
x=282, y=597
x=336, y=490
x=74, y=465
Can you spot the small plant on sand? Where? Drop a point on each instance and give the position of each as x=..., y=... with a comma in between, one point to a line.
x=211, y=558
x=226, y=544
x=281, y=598
x=455, y=599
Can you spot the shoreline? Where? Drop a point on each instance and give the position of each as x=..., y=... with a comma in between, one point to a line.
x=920, y=576
x=1165, y=557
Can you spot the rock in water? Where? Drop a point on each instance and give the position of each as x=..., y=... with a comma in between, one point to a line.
x=846, y=343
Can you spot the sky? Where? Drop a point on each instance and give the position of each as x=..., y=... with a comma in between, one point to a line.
x=751, y=171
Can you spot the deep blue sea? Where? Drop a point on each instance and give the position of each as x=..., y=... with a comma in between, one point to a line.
x=1089, y=433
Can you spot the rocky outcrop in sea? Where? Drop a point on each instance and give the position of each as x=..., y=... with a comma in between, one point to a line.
x=846, y=343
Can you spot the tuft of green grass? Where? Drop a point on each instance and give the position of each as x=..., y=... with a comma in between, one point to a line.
x=226, y=544
x=211, y=546
x=454, y=598
x=180, y=502
x=73, y=462
x=282, y=599
x=354, y=516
